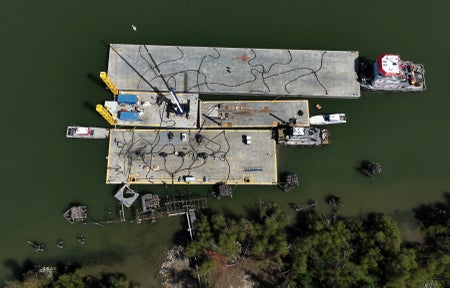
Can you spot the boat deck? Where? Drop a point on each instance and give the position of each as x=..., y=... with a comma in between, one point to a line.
x=154, y=114
x=141, y=156
x=235, y=71
x=259, y=114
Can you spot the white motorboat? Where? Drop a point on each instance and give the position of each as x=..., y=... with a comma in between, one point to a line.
x=325, y=119
x=87, y=132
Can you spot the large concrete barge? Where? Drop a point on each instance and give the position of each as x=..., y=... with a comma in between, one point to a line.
x=234, y=71
x=168, y=156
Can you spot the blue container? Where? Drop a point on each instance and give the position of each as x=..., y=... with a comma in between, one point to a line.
x=127, y=99
x=129, y=116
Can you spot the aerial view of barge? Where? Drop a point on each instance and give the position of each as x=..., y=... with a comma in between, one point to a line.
x=210, y=149
x=234, y=71
x=167, y=156
x=391, y=73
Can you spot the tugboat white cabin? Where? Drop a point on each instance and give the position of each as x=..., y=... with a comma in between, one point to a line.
x=390, y=73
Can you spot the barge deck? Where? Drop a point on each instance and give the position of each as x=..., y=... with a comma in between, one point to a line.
x=149, y=109
x=249, y=114
x=235, y=71
x=160, y=156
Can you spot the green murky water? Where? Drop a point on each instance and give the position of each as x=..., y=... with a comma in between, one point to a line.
x=52, y=52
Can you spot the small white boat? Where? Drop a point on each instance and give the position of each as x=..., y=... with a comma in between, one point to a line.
x=336, y=118
x=87, y=132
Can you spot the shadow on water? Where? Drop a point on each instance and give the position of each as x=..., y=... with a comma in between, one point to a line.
x=90, y=106
x=301, y=225
x=106, y=51
x=96, y=79
x=435, y=213
x=252, y=210
x=181, y=237
x=17, y=270
x=229, y=214
x=70, y=267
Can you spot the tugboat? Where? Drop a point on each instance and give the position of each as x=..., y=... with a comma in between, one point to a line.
x=370, y=168
x=390, y=73
x=302, y=136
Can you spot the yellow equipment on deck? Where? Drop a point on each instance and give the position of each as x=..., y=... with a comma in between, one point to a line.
x=109, y=83
x=105, y=114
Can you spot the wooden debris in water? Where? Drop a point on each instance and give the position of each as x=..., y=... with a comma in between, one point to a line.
x=81, y=239
x=303, y=206
x=76, y=214
x=37, y=247
x=288, y=181
x=222, y=190
x=149, y=201
x=370, y=168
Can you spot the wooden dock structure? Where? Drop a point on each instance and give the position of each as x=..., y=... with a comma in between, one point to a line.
x=179, y=207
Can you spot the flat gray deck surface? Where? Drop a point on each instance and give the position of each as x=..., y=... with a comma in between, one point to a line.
x=154, y=115
x=235, y=71
x=245, y=114
x=148, y=157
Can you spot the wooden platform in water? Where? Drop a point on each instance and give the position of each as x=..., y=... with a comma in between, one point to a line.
x=191, y=157
x=235, y=71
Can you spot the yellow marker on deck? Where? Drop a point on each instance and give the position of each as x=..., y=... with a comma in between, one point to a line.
x=109, y=83
x=105, y=114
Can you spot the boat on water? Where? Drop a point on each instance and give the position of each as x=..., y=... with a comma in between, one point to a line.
x=325, y=119
x=86, y=132
x=302, y=136
x=390, y=73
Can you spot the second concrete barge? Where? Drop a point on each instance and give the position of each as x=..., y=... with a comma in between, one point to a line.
x=234, y=71
x=166, y=156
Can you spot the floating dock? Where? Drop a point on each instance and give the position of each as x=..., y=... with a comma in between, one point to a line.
x=253, y=114
x=149, y=109
x=160, y=156
x=234, y=71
